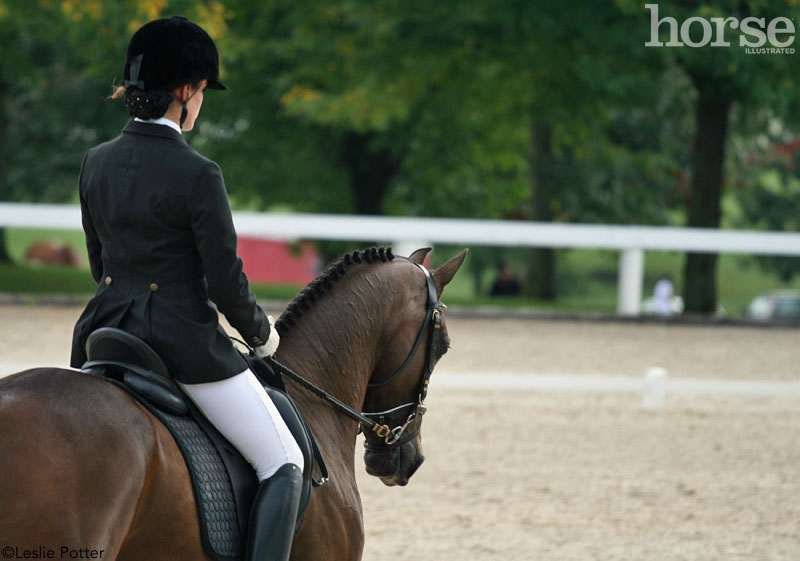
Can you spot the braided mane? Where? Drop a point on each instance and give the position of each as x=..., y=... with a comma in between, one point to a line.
x=325, y=282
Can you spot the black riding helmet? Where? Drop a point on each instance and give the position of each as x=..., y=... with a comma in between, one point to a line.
x=166, y=53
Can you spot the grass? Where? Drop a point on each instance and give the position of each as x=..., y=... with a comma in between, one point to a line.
x=45, y=280
x=19, y=278
x=586, y=279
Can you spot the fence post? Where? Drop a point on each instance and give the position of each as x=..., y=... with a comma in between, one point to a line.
x=631, y=279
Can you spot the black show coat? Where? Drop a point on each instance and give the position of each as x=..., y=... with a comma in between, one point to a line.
x=162, y=247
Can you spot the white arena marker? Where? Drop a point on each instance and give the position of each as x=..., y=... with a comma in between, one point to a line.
x=654, y=389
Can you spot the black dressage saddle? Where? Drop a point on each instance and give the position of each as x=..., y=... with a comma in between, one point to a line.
x=224, y=483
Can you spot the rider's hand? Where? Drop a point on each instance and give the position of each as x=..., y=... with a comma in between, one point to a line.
x=271, y=346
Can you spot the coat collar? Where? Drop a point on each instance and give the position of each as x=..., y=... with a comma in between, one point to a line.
x=149, y=129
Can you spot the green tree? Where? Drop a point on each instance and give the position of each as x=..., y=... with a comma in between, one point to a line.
x=724, y=78
x=492, y=110
x=767, y=187
x=574, y=78
x=57, y=63
x=384, y=89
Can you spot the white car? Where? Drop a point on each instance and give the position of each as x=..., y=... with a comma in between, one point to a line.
x=779, y=304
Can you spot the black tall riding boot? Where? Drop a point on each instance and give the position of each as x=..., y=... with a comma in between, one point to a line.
x=274, y=515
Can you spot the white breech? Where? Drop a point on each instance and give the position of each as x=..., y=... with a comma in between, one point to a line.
x=242, y=411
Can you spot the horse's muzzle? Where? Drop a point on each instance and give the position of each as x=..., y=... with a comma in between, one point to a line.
x=394, y=466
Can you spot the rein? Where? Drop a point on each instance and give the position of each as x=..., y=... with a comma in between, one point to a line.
x=379, y=422
x=343, y=407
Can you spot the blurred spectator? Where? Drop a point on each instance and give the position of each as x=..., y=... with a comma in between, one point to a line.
x=663, y=297
x=506, y=284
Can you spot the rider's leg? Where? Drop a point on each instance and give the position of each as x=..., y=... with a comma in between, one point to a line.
x=242, y=411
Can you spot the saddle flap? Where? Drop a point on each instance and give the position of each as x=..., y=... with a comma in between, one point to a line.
x=170, y=399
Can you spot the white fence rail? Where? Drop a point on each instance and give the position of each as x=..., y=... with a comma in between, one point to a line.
x=407, y=232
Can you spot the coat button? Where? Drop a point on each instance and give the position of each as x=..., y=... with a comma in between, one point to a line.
x=108, y=281
x=154, y=287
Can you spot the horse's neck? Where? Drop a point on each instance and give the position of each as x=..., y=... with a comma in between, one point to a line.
x=334, y=344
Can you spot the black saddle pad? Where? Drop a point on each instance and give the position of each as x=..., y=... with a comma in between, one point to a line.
x=214, y=472
x=224, y=483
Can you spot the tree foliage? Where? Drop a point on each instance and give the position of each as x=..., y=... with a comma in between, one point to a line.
x=502, y=109
x=726, y=78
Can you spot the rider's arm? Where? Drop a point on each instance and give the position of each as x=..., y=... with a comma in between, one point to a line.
x=93, y=245
x=215, y=238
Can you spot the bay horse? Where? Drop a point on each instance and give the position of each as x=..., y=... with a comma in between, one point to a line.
x=87, y=472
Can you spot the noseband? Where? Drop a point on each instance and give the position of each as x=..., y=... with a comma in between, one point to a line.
x=379, y=423
x=383, y=419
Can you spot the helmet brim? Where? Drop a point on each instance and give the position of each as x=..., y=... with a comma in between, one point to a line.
x=216, y=85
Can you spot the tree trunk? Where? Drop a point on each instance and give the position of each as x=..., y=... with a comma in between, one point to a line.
x=371, y=171
x=4, y=256
x=704, y=210
x=540, y=278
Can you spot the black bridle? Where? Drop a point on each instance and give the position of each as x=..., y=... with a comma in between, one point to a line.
x=433, y=325
x=380, y=423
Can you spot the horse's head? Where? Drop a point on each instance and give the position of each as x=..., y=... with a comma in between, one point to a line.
x=414, y=341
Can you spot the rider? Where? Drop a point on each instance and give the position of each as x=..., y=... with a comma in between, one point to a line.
x=162, y=247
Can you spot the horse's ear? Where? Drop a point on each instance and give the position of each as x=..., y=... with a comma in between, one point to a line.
x=419, y=256
x=443, y=274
